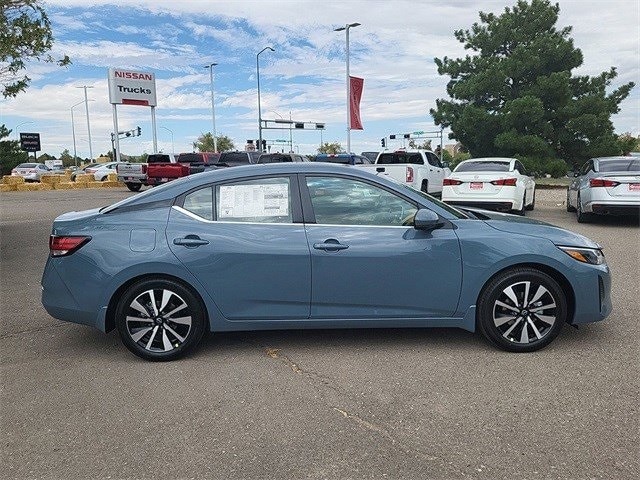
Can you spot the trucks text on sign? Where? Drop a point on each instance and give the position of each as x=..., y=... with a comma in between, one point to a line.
x=132, y=88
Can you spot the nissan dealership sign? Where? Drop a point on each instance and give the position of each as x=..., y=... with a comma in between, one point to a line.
x=127, y=87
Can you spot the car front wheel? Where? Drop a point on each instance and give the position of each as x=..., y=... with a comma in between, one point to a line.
x=521, y=310
x=160, y=319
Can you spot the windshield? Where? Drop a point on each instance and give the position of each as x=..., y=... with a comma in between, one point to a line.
x=483, y=167
x=27, y=165
x=453, y=211
x=620, y=165
x=234, y=157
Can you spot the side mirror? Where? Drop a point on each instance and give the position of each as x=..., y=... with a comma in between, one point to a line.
x=426, y=219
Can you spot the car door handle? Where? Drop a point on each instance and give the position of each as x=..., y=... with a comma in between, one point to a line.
x=330, y=245
x=190, y=241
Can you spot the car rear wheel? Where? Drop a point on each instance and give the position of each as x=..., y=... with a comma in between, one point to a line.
x=160, y=319
x=582, y=217
x=521, y=310
x=134, y=187
x=103, y=179
x=521, y=210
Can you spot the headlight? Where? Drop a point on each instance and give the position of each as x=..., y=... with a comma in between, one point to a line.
x=593, y=256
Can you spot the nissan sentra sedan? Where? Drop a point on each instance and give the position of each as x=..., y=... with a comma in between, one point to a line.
x=274, y=246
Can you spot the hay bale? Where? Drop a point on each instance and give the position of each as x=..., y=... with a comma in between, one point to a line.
x=64, y=186
x=110, y=183
x=12, y=179
x=112, y=177
x=50, y=179
x=77, y=185
x=85, y=177
x=95, y=184
x=26, y=187
x=8, y=188
x=44, y=186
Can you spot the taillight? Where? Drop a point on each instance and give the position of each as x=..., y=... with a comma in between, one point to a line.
x=505, y=182
x=451, y=181
x=409, y=174
x=601, y=182
x=59, y=246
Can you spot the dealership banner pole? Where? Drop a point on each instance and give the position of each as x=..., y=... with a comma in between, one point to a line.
x=153, y=129
x=115, y=130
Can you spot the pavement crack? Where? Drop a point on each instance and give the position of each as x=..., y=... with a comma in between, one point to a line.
x=30, y=330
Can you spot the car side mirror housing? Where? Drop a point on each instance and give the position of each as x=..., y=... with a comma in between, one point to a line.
x=426, y=219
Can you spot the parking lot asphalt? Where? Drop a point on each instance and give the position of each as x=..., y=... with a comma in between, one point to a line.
x=392, y=403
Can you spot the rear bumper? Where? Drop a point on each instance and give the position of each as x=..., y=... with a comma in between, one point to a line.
x=505, y=206
x=606, y=208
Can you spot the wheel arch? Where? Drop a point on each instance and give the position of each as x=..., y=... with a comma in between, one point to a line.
x=552, y=272
x=110, y=321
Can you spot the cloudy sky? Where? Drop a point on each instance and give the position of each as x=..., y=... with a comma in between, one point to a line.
x=304, y=78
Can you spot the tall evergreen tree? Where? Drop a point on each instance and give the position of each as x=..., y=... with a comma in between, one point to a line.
x=516, y=95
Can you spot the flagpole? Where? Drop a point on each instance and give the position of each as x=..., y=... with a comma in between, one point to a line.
x=346, y=28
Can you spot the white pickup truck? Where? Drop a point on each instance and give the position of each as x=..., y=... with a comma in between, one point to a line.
x=420, y=169
x=134, y=175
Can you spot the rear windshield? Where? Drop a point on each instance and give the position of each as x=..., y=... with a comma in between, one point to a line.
x=400, y=157
x=619, y=165
x=343, y=160
x=158, y=158
x=274, y=158
x=27, y=165
x=234, y=157
x=190, y=158
x=483, y=167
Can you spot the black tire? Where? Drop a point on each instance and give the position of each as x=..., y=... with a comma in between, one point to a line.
x=134, y=187
x=533, y=202
x=178, y=334
x=532, y=327
x=580, y=215
x=425, y=186
x=569, y=207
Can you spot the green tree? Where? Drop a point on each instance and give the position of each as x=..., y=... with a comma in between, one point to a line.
x=205, y=143
x=10, y=153
x=67, y=158
x=25, y=34
x=333, y=147
x=628, y=143
x=516, y=95
x=44, y=157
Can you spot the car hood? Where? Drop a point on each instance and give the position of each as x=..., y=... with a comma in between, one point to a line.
x=535, y=228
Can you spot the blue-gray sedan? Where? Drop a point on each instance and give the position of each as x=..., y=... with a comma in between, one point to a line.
x=313, y=245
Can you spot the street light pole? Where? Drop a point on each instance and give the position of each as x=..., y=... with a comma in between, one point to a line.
x=213, y=108
x=259, y=111
x=73, y=133
x=346, y=28
x=15, y=129
x=173, y=150
x=86, y=104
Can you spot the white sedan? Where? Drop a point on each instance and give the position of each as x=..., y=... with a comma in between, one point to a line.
x=500, y=184
x=101, y=171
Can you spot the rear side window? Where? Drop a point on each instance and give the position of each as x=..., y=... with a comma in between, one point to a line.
x=200, y=203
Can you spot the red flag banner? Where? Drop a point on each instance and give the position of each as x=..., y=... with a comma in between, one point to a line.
x=356, y=85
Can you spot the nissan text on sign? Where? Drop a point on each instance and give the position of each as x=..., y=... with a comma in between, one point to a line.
x=127, y=87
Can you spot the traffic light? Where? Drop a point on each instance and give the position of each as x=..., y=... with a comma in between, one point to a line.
x=383, y=142
x=139, y=131
x=392, y=137
x=264, y=145
x=407, y=135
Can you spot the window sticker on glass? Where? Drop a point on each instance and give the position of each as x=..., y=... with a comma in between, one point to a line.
x=256, y=200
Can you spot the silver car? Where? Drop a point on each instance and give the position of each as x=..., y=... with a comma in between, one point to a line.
x=31, y=172
x=605, y=186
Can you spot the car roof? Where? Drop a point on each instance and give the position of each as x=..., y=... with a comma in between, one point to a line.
x=489, y=159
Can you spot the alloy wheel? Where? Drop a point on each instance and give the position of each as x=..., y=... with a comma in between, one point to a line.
x=524, y=312
x=158, y=320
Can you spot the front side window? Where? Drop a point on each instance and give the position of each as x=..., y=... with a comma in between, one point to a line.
x=344, y=201
x=265, y=200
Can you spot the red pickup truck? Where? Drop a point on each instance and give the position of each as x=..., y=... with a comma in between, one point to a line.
x=186, y=164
